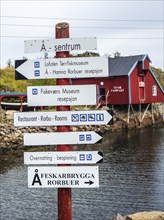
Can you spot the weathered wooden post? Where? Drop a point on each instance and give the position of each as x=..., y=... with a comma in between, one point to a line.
x=64, y=195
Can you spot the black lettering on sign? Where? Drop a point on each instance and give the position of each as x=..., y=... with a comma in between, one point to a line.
x=46, y=71
x=43, y=46
x=36, y=178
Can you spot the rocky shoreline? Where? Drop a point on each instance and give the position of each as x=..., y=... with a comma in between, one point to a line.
x=12, y=137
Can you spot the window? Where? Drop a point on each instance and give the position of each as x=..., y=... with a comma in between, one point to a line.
x=154, y=90
x=102, y=93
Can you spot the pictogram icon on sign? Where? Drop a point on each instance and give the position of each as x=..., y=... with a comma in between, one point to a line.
x=83, y=117
x=34, y=91
x=75, y=117
x=89, y=156
x=37, y=64
x=37, y=72
x=91, y=117
x=100, y=117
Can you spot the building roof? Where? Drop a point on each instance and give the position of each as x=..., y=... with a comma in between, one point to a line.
x=123, y=66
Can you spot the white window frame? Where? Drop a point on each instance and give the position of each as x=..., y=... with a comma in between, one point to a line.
x=154, y=90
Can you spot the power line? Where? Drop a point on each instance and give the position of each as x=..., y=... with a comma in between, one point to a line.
x=85, y=19
x=106, y=38
x=92, y=0
x=80, y=27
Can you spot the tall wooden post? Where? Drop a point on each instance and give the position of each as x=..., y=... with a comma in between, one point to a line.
x=64, y=195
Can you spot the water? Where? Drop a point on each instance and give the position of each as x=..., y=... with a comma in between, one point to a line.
x=131, y=180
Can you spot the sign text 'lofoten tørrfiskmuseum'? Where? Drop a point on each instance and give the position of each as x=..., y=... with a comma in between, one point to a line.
x=84, y=67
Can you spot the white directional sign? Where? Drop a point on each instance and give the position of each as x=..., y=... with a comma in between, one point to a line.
x=98, y=117
x=63, y=177
x=68, y=157
x=55, y=138
x=58, y=45
x=61, y=95
x=85, y=67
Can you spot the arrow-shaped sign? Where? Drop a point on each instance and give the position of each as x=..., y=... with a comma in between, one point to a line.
x=66, y=157
x=55, y=138
x=98, y=117
x=62, y=68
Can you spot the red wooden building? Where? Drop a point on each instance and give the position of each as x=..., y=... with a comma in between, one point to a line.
x=130, y=81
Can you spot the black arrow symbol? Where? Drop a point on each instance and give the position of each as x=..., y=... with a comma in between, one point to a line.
x=18, y=75
x=89, y=182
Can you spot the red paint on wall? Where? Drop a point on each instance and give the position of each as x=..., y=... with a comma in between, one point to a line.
x=118, y=90
x=151, y=83
x=146, y=64
x=140, y=87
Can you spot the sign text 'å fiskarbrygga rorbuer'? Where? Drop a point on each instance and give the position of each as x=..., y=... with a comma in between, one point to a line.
x=63, y=177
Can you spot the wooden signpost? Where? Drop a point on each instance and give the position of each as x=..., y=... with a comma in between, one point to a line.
x=64, y=195
x=63, y=95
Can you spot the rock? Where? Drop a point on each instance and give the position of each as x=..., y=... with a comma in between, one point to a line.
x=9, y=114
x=19, y=132
x=74, y=129
x=48, y=129
x=154, y=215
x=105, y=108
x=117, y=126
x=2, y=133
x=120, y=217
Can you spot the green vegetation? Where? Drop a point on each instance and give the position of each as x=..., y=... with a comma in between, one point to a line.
x=9, y=84
x=159, y=74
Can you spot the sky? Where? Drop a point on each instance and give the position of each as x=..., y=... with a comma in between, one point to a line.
x=131, y=27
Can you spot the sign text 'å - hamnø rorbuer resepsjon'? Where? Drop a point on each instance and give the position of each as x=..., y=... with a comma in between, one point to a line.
x=62, y=68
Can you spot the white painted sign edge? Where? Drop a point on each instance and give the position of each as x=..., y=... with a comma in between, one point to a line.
x=55, y=95
x=72, y=118
x=56, y=138
x=35, y=181
x=87, y=67
x=66, y=157
x=60, y=44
